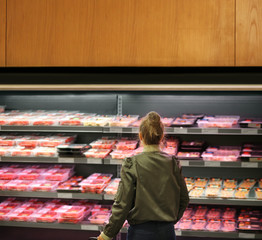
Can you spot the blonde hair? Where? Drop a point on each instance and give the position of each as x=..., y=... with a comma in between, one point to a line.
x=151, y=129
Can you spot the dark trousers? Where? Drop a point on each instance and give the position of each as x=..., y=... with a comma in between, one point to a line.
x=152, y=231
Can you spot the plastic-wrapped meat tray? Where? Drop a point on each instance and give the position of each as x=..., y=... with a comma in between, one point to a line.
x=167, y=122
x=200, y=182
x=185, y=224
x=126, y=145
x=45, y=152
x=192, y=145
x=183, y=122
x=112, y=187
x=99, y=218
x=103, y=144
x=230, y=183
x=199, y=224
x=242, y=193
x=121, y=154
x=197, y=192
x=213, y=213
x=229, y=213
x=258, y=192
x=228, y=226
x=212, y=191
x=189, y=155
x=200, y=212
x=71, y=185
x=247, y=183
x=227, y=193
x=214, y=225
x=97, y=153
x=250, y=123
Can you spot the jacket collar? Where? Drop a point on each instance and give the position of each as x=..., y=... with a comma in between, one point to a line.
x=151, y=148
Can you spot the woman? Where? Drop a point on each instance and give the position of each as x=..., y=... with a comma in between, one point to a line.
x=152, y=193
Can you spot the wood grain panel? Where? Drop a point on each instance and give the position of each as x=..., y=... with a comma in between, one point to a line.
x=249, y=33
x=120, y=33
x=2, y=31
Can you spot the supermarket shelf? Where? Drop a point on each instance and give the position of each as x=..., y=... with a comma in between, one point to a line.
x=83, y=226
x=109, y=197
x=233, y=235
x=64, y=195
x=168, y=130
x=52, y=128
x=222, y=201
x=80, y=160
x=201, y=163
x=90, y=227
x=110, y=161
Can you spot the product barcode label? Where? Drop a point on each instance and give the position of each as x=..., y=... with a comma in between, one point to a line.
x=180, y=130
x=64, y=195
x=210, y=131
x=94, y=160
x=247, y=235
x=249, y=165
x=249, y=131
x=66, y=160
x=212, y=164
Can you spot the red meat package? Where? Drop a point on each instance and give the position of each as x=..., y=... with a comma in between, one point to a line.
x=228, y=226
x=126, y=145
x=99, y=218
x=103, y=144
x=229, y=213
x=121, y=154
x=185, y=224
x=97, y=153
x=213, y=225
x=199, y=224
x=213, y=213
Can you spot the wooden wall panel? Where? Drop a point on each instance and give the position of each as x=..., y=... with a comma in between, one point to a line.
x=2, y=31
x=120, y=33
x=249, y=33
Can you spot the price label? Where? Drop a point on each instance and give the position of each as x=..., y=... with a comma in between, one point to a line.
x=116, y=162
x=184, y=163
x=116, y=130
x=109, y=197
x=250, y=131
x=94, y=160
x=210, y=131
x=135, y=130
x=212, y=164
x=178, y=233
x=247, y=235
x=180, y=130
x=89, y=227
x=66, y=160
x=249, y=165
x=0, y=159
x=64, y=195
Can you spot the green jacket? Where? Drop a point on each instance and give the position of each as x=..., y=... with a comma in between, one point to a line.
x=151, y=189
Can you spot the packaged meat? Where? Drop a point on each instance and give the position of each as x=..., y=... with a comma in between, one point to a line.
x=112, y=186
x=28, y=141
x=18, y=185
x=197, y=192
x=249, y=226
x=216, y=181
x=121, y=154
x=242, y=193
x=228, y=226
x=192, y=145
x=126, y=145
x=99, y=218
x=30, y=174
x=229, y=213
x=250, y=123
x=188, y=213
x=227, y=193
x=214, y=225
x=218, y=122
x=213, y=213
x=8, y=141
x=189, y=180
x=71, y=185
x=212, y=191
x=3, y=183
x=9, y=174
x=98, y=121
x=123, y=121
x=230, y=183
x=189, y=186
x=183, y=122
x=94, y=186
x=200, y=212
x=167, y=122
x=201, y=182
x=68, y=211
x=45, y=152
x=44, y=186
x=199, y=224
x=247, y=183
x=103, y=144
x=5, y=151
x=49, y=216
x=97, y=153
x=258, y=192
x=170, y=150
x=3, y=213
x=188, y=155
x=22, y=151
x=185, y=224
x=171, y=142
x=57, y=174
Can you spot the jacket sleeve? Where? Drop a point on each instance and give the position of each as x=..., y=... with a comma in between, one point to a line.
x=124, y=199
x=184, y=198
